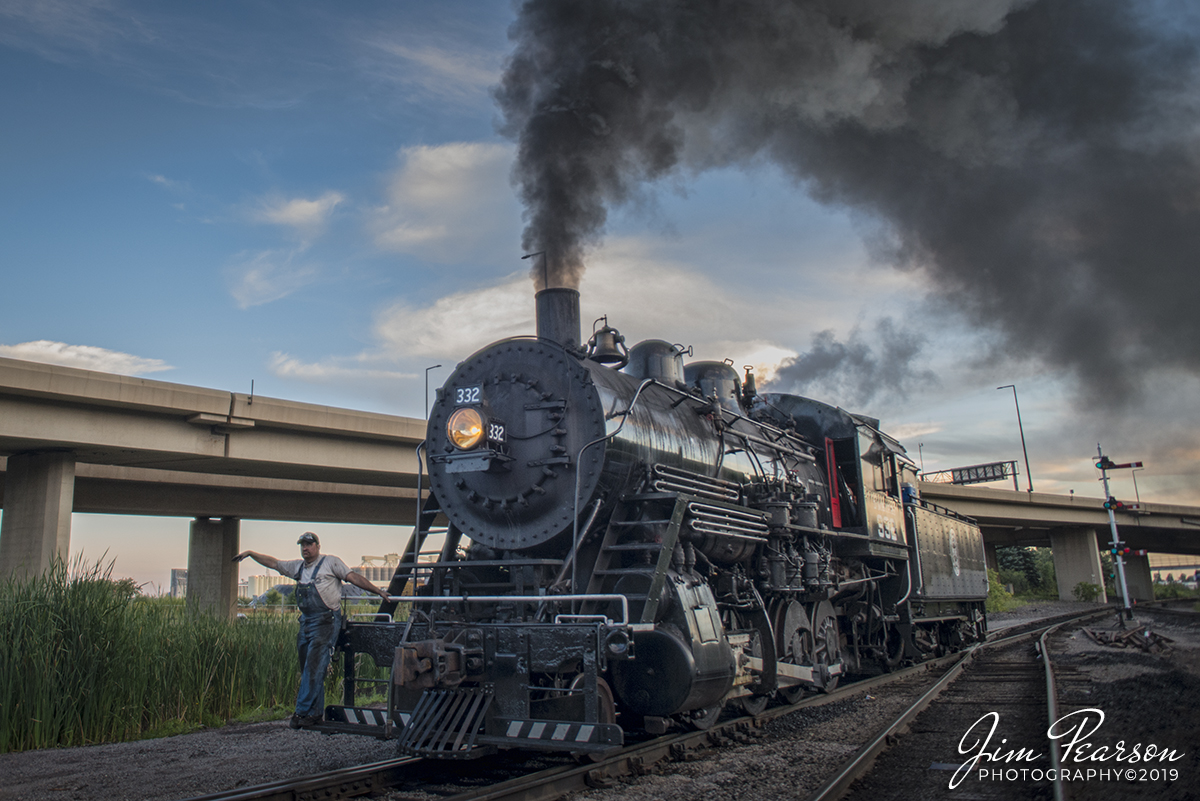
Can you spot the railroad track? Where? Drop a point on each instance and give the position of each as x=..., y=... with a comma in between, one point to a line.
x=989, y=712
x=549, y=778
x=552, y=781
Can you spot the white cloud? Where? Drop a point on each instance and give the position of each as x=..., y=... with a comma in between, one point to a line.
x=449, y=203
x=961, y=419
x=167, y=183
x=643, y=296
x=258, y=278
x=458, y=324
x=307, y=218
x=329, y=371
x=86, y=357
x=914, y=431
x=453, y=73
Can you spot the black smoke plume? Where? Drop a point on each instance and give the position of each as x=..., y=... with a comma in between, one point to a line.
x=853, y=373
x=1036, y=160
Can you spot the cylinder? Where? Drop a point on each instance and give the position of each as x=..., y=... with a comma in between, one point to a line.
x=558, y=316
x=805, y=514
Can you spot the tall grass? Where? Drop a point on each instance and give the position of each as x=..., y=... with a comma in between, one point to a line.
x=84, y=660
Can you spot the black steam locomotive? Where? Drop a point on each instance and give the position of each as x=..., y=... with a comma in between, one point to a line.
x=630, y=543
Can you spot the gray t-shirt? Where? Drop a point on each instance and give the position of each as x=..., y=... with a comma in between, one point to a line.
x=328, y=581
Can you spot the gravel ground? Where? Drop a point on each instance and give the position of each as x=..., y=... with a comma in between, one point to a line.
x=793, y=759
x=183, y=766
x=1036, y=611
x=782, y=765
x=1146, y=698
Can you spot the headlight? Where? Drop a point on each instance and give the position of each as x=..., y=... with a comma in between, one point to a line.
x=465, y=428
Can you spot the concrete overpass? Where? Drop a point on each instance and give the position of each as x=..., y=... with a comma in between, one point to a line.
x=1075, y=528
x=82, y=441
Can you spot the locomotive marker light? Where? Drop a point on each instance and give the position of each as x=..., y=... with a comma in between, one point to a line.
x=1104, y=464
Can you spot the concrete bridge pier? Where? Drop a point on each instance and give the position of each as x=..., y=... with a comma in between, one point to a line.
x=1076, y=559
x=1138, y=578
x=39, y=493
x=212, y=573
x=989, y=556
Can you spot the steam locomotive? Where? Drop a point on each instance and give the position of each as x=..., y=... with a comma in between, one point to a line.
x=628, y=543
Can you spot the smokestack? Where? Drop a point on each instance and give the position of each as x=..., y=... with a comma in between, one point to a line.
x=558, y=316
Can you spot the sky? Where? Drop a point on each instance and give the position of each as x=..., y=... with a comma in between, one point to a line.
x=324, y=200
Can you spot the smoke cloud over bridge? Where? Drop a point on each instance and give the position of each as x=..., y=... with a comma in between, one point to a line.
x=1035, y=161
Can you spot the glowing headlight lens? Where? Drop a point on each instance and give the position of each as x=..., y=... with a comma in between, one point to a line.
x=465, y=428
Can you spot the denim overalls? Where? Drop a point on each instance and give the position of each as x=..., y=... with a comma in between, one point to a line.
x=319, y=626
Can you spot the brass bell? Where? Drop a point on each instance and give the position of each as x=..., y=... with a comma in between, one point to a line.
x=607, y=346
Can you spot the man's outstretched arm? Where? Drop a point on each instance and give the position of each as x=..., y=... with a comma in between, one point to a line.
x=361, y=581
x=266, y=560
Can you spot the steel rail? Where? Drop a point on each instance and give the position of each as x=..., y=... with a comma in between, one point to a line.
x=1052, y=712
x=637, y=758
x=860, y=764
x=373, y=777
x=1181, y=614
x=342, y=783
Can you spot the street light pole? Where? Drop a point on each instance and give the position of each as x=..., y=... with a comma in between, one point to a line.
x=545, y=267
x=427, y=369
x=1021, y=428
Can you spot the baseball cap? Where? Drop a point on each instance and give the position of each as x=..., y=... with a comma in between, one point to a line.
x=308, y=538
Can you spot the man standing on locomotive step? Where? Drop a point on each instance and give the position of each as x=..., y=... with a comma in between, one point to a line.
x=319, y=597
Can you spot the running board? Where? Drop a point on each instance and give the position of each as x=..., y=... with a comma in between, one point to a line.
x=360, y=720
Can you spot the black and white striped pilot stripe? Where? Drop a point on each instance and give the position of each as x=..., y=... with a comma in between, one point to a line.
x=555, y=732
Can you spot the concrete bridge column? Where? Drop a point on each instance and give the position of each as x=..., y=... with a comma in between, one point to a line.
x=39, y=493
x=212, y=574
x=1076, y=559
x=1138, y=578
x=989, y=556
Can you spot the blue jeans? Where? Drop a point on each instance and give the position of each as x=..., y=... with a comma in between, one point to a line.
x=314, y=645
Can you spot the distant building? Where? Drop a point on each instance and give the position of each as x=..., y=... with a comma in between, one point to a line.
x=1174, y=563
x=378, y=574
x=257, y=585
x=179, y=582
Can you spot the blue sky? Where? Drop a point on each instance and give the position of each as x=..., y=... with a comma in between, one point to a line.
x=315, y=198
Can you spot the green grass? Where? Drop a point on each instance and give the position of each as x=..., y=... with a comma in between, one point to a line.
x=1173, y=590
x=84, y=659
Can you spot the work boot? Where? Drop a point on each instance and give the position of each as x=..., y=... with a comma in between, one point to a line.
x=296, y=721
x=309, y=720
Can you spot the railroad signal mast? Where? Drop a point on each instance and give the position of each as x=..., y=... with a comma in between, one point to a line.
x=1118, y=549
